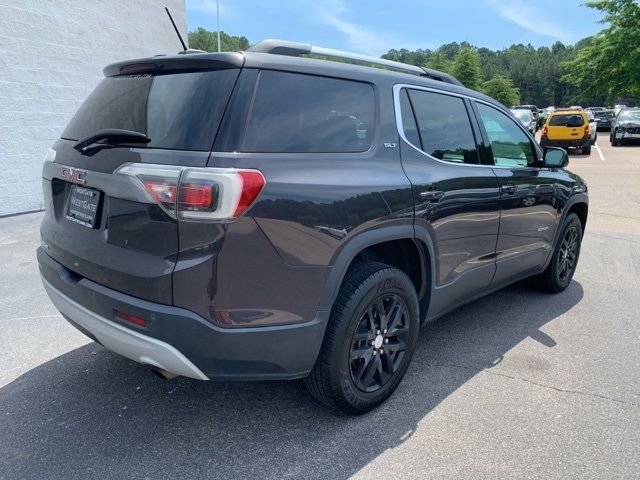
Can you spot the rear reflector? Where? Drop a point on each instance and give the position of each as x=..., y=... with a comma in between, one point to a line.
x=141, y=322
x=196, y=196
x=202, y=194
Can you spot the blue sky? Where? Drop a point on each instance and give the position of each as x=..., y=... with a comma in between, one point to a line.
x=374, y=26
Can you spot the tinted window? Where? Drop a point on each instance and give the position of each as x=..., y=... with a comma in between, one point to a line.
x=408, y=120
x=509, y=144
x=444, y=127
x=306, y=114
x=568, y=120
x=177, y=111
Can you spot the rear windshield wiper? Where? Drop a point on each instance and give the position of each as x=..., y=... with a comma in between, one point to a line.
x=111, y=136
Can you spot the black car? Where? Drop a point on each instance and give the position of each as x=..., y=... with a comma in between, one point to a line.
x=264, y=215
x=625, y=127
x=604, y=118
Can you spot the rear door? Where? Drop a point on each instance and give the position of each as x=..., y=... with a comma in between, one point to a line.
x=455, y=197
x=565, y=126
x=528, y=196
x=102, y=225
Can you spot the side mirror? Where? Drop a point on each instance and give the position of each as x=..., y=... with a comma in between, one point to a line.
x=555, y=157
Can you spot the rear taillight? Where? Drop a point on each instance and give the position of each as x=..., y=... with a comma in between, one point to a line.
x=216, y=194
x=545, y=130
x=586, y=129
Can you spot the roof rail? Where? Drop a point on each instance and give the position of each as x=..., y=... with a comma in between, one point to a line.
x=295, y=49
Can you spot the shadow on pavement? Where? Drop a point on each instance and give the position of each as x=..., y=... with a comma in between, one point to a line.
x=92, y=414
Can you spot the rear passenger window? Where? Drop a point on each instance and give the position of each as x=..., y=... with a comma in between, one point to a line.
x=309, y=114
x=444, y=128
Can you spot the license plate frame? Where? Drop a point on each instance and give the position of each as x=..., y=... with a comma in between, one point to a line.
x=83, y=206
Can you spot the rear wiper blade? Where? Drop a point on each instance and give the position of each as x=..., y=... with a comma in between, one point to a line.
x=111, y=136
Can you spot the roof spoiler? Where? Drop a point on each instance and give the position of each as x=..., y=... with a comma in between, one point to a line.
x=162, y=63
x=296, y=49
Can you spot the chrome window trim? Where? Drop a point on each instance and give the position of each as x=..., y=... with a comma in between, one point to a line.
x=397, y=88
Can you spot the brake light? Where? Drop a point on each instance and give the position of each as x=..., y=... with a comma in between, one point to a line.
x=586, y=129
x=545, y=131
x=252, y=184
x=206, y=194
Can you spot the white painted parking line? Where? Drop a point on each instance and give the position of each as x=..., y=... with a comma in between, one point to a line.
x=599, y=152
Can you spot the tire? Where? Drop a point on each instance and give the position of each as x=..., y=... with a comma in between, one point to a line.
x=586, y=150
x=348, y=375
x=555, y=278
x=614, y=141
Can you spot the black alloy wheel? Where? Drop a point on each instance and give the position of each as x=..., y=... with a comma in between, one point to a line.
x=379, y=342
x=568, y=254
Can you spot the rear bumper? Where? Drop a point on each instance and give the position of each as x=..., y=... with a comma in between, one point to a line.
x=178, y=340
x=577, y=143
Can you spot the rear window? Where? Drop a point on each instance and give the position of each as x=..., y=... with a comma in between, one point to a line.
x=179, y=111
x=568, y=120
x=309, y=114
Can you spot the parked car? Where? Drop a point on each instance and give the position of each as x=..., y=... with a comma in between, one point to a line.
x=593, y=126
x=604, y=119
x=617, y=108
x=264, y=215
x=532, y=108
x=625, y=127
x=567, y=129
x=526, y=118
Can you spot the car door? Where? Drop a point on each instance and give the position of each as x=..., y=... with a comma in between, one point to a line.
x=528, y=193
x=456, y=198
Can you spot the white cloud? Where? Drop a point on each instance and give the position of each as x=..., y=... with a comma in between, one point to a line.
x=528, y=17
x=359, y=38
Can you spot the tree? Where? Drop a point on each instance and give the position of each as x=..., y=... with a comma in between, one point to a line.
x=502, y=89
x=466, y=67
x=206, y=40
x=438, y=61
x=610, y=61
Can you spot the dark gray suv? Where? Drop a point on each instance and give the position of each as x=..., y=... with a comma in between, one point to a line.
x=266, y=215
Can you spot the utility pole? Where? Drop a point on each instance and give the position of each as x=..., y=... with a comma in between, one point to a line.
x=218, y=21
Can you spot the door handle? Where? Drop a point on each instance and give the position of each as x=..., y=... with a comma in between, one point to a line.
x=509, y=188
x=432, y=195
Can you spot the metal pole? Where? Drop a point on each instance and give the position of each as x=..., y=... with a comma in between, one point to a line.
x=218, y=20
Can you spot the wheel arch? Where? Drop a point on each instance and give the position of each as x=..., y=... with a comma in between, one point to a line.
x=398, y=246
x=578, y=204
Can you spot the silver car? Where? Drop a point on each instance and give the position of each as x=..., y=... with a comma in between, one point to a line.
x=527, y=119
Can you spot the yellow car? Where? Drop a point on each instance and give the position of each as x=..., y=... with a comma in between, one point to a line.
x=567, y=129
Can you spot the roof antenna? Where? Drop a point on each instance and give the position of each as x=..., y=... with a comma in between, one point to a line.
x=184, y=47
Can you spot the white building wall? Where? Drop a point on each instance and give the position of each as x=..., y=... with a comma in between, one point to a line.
x=51, y=57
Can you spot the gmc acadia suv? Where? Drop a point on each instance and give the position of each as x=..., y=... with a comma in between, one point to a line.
x=266, y=215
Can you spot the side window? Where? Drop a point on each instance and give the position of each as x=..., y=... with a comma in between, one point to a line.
x=444, y=127
x=511, y=147
x=309, y=114
x=409, y=120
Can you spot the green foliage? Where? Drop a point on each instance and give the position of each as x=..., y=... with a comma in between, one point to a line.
x=609, y=63
x=502, y=89
x=206, y=40
x=439, y=61
x=466, y=67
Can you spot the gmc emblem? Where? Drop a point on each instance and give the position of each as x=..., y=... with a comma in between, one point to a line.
x=74, y=175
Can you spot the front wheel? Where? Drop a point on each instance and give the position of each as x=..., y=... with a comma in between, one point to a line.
x=559, y=272
x=369, y=341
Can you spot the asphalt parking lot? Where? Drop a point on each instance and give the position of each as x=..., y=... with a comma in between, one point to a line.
x=520, y=384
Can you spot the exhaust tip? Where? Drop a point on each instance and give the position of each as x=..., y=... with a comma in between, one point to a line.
x=163, y=374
